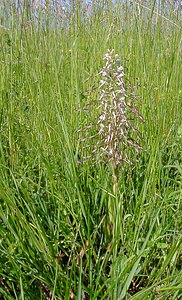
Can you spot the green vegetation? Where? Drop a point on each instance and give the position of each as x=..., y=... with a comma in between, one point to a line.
x=58, y=237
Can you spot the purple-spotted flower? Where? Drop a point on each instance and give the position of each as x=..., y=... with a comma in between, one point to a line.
x=111, y=134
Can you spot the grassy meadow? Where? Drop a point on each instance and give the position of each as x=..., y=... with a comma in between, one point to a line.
x=65, y=231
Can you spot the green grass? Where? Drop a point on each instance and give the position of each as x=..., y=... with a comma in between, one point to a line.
x=55, y=229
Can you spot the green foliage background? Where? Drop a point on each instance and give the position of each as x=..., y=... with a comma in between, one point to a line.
x=52, y=206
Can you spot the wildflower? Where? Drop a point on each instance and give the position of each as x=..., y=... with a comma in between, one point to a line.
x=115, y=113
